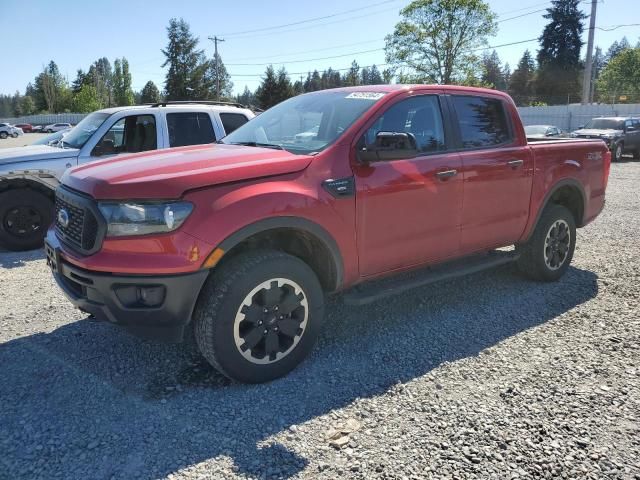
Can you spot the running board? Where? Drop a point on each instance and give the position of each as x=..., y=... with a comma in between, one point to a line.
x=375, y=290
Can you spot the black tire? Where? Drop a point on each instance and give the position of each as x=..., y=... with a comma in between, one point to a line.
x=220, y=304
x=14, y=135
x=3, y=135
x=25, y=216
x=533, y=254
x=616, y=153
x=636, y=154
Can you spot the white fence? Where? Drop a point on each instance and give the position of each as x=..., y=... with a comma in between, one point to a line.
x=570, y=117
x=567, y=117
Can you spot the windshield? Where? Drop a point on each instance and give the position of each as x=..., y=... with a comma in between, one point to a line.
x=535, y=130
x=51, y=139
x=306, y=123
x=605, y=124
x=79, y=134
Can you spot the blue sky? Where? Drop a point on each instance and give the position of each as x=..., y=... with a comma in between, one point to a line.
x=74, y=33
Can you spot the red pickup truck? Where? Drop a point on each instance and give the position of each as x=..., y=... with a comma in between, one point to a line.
x=368, y=190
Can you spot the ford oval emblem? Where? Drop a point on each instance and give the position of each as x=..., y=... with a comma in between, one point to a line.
x=63, y=218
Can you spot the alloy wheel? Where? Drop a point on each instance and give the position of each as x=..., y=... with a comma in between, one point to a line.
x=556, y=244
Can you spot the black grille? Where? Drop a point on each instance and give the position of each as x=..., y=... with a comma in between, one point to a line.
x=76, y=223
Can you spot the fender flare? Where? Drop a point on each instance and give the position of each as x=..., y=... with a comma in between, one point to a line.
x=570, y=182
x=297, y=223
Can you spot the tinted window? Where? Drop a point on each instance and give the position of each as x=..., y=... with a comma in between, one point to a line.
x=483, y=121
x=190, y=128
x=420, y=116
x=135, y=133
x=231, y=121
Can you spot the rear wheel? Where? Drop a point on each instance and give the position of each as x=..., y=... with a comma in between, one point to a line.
x=548, y=253
x=3, y=135
x=616, y=154
x=25, y=216
x=636, y=154
x=259, y=316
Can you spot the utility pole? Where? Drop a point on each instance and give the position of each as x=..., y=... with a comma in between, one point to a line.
x=215, y=41
x=586, y=83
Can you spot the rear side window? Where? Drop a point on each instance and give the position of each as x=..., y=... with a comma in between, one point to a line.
x=191, y=128
x=483, y=121
x=231, y=121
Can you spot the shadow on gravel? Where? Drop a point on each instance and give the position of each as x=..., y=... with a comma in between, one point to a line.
x=87, y=400
x=19, y=259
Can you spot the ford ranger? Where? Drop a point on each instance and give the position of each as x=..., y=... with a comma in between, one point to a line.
x=369, y=190
x=29, y=175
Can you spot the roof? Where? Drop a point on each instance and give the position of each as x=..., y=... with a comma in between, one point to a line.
x=385, y=88
x=219, y=107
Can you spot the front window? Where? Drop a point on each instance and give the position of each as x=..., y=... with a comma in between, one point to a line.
x=605, y=124
x=79, y=135
x=306, y=123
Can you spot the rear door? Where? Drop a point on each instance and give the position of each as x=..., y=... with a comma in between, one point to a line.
x=190, y=128
x=496, y=170
x=408, y=210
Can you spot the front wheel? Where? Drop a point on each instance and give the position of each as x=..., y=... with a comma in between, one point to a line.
x=14, y=135
x=25, y=216
x=3, y=135
x=548, y=253
x=259, y=315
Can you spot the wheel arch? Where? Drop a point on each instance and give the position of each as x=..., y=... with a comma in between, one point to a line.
x=568, y=193
x=297, y=236
x=15, y=182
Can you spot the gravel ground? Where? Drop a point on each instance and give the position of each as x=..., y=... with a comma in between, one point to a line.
x=490, y=376
x=22, y=140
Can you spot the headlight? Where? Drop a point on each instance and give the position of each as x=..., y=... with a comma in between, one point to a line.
x=143, y=218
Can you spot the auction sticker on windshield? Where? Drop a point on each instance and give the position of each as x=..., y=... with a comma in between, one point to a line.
x=366, y=95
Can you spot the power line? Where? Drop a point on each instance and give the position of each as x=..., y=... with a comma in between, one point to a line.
x=307, y=60
x=308, y=20
x=615, y=27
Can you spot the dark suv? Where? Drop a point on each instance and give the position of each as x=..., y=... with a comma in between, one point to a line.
x=621, y=134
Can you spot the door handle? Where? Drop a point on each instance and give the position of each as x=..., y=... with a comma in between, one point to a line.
x=515, y=163
x=446, y=174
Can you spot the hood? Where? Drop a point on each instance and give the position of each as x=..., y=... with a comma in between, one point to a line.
x=594, y=132
x=34, y=152
x=169, y=173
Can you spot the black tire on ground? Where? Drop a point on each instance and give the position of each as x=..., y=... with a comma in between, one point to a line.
x=537, y=259
x=616, y=153
x=25, y=216
x=14, y=135
x=636, y=154
x=287, y=302
x=3, y=135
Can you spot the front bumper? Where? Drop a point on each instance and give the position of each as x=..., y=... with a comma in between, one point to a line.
x=150, y=306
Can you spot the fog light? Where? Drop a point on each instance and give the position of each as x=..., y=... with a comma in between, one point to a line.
x=152, y=296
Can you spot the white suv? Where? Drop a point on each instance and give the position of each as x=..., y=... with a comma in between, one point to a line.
x=29, y=175
x=7, y=130
x=56, y=127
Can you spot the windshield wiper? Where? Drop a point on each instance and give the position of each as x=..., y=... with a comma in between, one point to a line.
x=258, y=144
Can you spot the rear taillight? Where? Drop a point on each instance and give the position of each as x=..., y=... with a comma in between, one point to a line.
x=607, y=167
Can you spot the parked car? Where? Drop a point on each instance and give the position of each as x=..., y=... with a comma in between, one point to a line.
x=29, y=175
x=621, y=134
x=26, y=127
x=56, y=127
x=7, y=130
x=37, y=129
x=242, y=241
x=542, y=131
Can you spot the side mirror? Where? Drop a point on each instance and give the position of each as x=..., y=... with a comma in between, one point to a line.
x=105, y=147
x=389, y=146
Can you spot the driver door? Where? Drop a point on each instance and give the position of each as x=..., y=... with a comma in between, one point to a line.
x=409, y=210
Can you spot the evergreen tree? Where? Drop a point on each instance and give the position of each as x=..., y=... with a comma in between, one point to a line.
x=521, y=83
x=28, y=105
x=218, y=70
x=559, y=64
x=50, y=89
x=351, y=78
x=492, y=71
x=275, y=88
x=78, y=82
x=100, y=76
x=375, y=78
x=616, y=48
x=187, y=77
x=246, y=97
x=150, y=93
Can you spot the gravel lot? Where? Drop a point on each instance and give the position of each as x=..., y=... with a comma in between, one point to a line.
x=491, y=376
x=22, y=140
